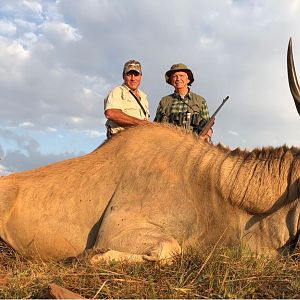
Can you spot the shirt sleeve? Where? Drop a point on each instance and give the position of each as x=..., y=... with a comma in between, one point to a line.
x=204, y=110
x=158, y=115
x=114, y=99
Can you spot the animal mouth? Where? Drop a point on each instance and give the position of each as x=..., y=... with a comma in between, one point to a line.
x=293, y=82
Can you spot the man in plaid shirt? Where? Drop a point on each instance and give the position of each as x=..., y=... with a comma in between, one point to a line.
x=183, y=107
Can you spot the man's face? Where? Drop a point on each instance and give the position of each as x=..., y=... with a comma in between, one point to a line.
x=180, y=80
x=133, y=79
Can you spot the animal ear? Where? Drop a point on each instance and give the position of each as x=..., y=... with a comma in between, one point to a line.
x=293, y=82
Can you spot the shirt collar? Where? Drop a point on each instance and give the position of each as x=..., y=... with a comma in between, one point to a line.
x=188, y=95
x=127, y=88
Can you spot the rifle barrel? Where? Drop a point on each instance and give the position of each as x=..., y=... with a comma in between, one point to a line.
x=211, y=120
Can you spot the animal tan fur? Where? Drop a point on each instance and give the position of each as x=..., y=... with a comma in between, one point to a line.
x=152, y=191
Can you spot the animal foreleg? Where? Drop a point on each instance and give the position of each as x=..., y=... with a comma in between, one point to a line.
x=113, y=255
x=158, y=248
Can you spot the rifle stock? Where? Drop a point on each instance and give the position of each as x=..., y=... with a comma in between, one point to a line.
x=211, y=121
x=207, y=126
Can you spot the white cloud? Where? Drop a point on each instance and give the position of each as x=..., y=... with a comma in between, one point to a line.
x=26, y=124
x=76, y=120
x=233, y=132
x=28, y=39
x=34, y=6
x=51, y=129
x=17, y=51
x=94, y=133
x=87, y=91
x=7, y=28
x=61, y=32
x=13, y=56
x=25, y=25
x=295, y=6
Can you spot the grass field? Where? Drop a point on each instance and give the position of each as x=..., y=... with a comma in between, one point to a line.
x=223, y=273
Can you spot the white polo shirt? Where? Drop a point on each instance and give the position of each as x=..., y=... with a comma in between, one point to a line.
x=121, y=98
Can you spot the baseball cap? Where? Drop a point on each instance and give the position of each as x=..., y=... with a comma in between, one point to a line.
x=132, y=65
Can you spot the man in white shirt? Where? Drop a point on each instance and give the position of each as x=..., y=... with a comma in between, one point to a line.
x=126, y=105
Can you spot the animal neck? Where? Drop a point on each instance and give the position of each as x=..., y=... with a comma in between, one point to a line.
x=261, y=180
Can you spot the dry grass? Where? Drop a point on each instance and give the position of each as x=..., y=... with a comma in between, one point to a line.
x=224, y=274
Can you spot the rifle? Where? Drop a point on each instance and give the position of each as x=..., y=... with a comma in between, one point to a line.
x=211, y=121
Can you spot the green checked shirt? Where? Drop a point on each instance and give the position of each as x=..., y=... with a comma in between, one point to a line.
x=173, y=105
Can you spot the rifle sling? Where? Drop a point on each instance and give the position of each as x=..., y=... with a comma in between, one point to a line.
x=139, y=103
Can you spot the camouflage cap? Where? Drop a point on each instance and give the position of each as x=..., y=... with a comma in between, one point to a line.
x=177, y=68
x=132, y=65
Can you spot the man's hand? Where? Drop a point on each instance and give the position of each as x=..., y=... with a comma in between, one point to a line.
x=207, y=136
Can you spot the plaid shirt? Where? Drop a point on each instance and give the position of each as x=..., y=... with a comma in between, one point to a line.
x=180, y=104
x=175, y=104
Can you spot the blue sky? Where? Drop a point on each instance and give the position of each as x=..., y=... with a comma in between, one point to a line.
x=59, y=59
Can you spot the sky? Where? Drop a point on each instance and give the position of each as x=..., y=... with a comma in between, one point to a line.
x=59, y=59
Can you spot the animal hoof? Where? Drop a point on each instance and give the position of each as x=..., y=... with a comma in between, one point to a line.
x=152, y=258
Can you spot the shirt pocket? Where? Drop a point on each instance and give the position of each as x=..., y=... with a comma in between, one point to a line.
x=131, y=108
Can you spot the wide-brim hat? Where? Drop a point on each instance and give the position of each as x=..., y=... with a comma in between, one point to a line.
x=177, y=68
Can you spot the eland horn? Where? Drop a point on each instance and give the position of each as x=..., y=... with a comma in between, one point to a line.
x=293, y=82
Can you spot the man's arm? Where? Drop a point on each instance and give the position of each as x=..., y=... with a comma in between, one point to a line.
x=123, y=120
